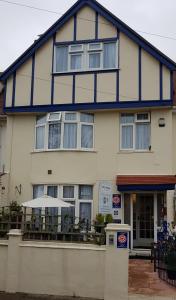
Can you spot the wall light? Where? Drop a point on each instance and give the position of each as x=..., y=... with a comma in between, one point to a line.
x=161, y=122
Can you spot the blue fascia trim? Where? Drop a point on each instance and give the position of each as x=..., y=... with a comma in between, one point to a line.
x=95, y=88
x=86, y=72
x=90, y=106
x=171, y=85
x=140, y=74
x=161, y=81
x=103, y=12
x=14, y=89
x=145, y=187
x=75, y=28
x=74, y=89
x=32, y=79
x=96, y=25
x=52, y=76
x=96, y=40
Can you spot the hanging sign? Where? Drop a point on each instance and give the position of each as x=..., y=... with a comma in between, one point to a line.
x=105, y=197
x=122, y=240
x=116, y=201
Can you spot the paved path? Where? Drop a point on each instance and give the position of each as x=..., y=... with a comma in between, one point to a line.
x=143, y=281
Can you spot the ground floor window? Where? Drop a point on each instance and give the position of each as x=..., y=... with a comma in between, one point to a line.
x=81, y=196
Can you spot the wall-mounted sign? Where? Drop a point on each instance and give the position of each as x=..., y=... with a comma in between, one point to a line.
x=116, y=201
x=122, y=240
x=105, y=197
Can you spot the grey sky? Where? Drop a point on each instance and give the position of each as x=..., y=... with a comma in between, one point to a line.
x=20, y=26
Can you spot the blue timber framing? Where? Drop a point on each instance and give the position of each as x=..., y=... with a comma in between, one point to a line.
x=121, y=26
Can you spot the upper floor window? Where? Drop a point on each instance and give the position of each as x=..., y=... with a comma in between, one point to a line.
x=85, y=57
x=135, y=131
x=64, y=130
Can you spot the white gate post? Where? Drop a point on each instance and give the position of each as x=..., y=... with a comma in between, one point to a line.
x=116, y=262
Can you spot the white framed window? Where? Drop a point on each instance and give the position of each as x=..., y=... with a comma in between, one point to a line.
x=135, y=132
x=64, y=131
x=81, y=196
x=86, y=57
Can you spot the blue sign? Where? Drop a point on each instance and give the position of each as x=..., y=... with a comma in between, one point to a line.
x=122, y=240
x=116, y=201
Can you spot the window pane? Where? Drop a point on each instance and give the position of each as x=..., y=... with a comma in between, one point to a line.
x=54, y=136
x=70, y=116
x=110, y=55
x=127, y=118
x=52, y=191
x=87, y=118
x=55, y=116
x=87, y=136
x=76, y=62
x=127, y=137
x=94, y=46
x=40, y=137
x=85, y=212
x=38, y=191
x=68, y=192
x=76, y=48
x=61, y=59
x=86, y=192
x=70, y=136
x=143, y=117
x=94, y=60
x=41, y=120
x=142, y=136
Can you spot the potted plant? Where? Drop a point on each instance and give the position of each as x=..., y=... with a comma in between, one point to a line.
x=99, y=223
x=108, y=219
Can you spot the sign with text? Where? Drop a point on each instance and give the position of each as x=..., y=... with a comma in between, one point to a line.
x=116, y=201
x=105, y=197
x=122, y=240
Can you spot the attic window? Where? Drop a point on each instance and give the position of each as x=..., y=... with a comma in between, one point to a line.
x=86, y=57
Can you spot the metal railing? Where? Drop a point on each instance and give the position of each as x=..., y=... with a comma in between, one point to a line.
x=46, y=226
x=164, y=255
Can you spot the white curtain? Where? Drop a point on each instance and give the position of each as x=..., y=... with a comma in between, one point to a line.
x=61, y=59
x=54, y=136
x=86, y=192
x=85, y=213
x=76, y=62
x=40, y=137
x=38, y=191
x=142, y=136
x=127, y=137
x=53, y=212
x=87, y=136
x=70, y=136
x=110, y=55
x=94, y=60
x=87, y=118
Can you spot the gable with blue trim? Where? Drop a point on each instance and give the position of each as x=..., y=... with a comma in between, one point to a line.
x=88, y=59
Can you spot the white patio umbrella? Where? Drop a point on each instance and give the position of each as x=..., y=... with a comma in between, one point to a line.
x=46, y=202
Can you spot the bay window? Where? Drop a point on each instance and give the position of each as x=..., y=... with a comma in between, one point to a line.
x=64, y=131
x=85, y=57
x=135, y=131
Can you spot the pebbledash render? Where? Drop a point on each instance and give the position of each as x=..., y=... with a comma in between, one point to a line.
x=91, y=119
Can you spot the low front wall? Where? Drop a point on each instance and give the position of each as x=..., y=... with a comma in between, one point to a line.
x=62, y=269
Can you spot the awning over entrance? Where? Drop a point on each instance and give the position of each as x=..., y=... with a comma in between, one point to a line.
x=146, y=182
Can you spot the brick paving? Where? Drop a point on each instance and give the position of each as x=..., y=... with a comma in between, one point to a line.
x=143, y=281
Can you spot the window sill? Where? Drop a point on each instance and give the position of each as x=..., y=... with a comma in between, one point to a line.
x=63, y=150
x=134, y=151
x=85, y=72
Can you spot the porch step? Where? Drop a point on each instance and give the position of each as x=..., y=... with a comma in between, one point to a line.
x=140, y=253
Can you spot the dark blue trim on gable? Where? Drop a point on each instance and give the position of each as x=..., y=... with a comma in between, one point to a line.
x=140, y=74
x=95, y=88
x=86, y=72
x=161, y=81
x=52, y=76
x=75, y=28
x=74, y=89
x=32, y=79
x=117, y=86
x=96, y=26
x=91, y=106
x=96, y=40
x=145, y=187
x=171, y=86
x=14, y=89
x=101, y=11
